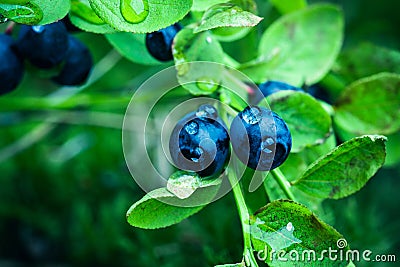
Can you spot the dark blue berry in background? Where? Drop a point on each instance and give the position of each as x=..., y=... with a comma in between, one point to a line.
x=11, y=67
x=159, y=43
x=44, y=46
x=77, y=66
x=320, y=93
x=200, y=143
x=268, y=88
x=260, y=138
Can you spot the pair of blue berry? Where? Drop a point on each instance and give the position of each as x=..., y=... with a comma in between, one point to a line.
x=45, y=47
x=200, y=141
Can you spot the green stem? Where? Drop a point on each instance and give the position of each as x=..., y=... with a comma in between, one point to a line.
x=283, y=183
x=248, y=254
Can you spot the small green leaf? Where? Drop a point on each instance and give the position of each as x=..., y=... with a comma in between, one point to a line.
x=345, y=170
x=141, y=16
x=288, y=6
x=299, y=110
x=351, y=64
x=132, y=46
x=160, y=208
x=226, y=15
x=370, y=105
x=303, y=46
x=189, y=47
x=289, y=226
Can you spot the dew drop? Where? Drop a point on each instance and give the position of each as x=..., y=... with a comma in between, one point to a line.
x=84, y=12
x=290, y=227
x=252, y=115
x=134, y=11
x=266, y=143
x=207, y=84
x=28, y=13
x=192, y=128
x=208, y=40
x=207, y=111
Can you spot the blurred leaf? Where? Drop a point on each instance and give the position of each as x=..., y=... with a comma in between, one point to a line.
x=299, y=47
x=370, y=105
x=392, y=150
x=226, y=15
x=151, y=15
x=160, y=208
x=351, y=64
x=202, y=5
x=345, y=170
x=287, y=225
x=288, y=6
x=83, y=17
x=299, y=110
x=132, y=46
x=190, y=47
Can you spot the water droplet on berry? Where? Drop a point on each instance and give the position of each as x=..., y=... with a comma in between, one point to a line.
x=192, y=127
x=207, y=84
x=134, y=11
x=265, y=144
x=252, y=115
x=198, y=152
x=28, y=13
x=207, y=111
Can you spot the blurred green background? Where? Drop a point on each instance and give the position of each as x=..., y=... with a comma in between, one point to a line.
x=65, y=187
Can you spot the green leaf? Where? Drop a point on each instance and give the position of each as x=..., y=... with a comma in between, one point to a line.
x=288, y=6
x=144, y=16
x=370, y=105
x=351, y=64
x=299, y=47
x=84, y=17
x=289, y=226
x=28, y=13
x=53, y=10
x=161, y=208
x=299, y=110
x=132, y=46
x=230, y=34
x=203, y=5
x=190, y=47
x=226, y=15
x=345, y=170
x=392, y=149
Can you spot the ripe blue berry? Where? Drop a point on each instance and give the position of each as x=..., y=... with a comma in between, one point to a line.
x=77, y=66
x=44, y=46
x=11, y=67
x=269, y=88
x=260, y=138
x=159, y=43
x=200, y=142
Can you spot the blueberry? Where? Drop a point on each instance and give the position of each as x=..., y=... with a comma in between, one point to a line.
x=268, y=88
x=200, y=142
x=260, y=138
x=77, y=66
x=44, y=46
x=159, y=43
x=11, y=67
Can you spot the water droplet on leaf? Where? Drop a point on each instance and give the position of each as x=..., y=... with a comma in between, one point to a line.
x=207, y=84
x=28, y=13
x=134, y=11
x=84, y=12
